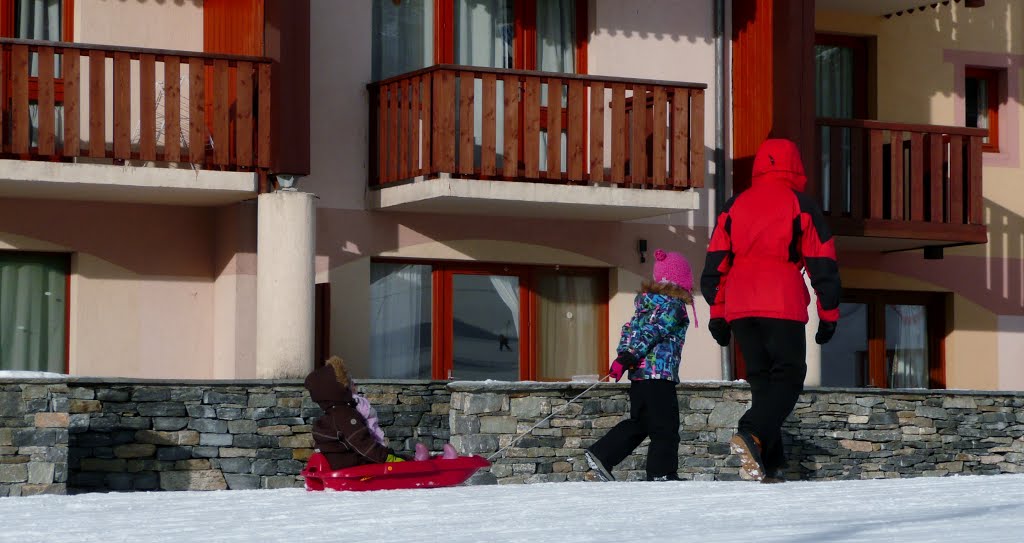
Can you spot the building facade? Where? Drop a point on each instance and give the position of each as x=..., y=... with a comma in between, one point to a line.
x=487, y=194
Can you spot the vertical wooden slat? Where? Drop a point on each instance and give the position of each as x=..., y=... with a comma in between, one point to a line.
x=404, y=127
x=45, y=102
x=936, y=179
x=554, y=159
x=835, y=170
x=426, y=103
x=97, y=104
x=196, y=111
x=147, y=107
x=243, y=115
x=414, y=142
x=619, y=133
x=444, y=119
x=71, y=69
x=381, y=112
x=466, y=121
x=574, y=132
x=916, y=194
x=696, y=138
x=510, y=167
x=172, y=109
x=20, y=121
x=489, y=122
x=393, y=130
x=221, y=114
x=597, y=132
x=896, y=175
x=531, y=132
x=638, y=136
x=263, y=147
x=122, y=106
x=658, y=135
x=975, y=212
x=680, y=147
x=876, y=194
x=857, y=181
x=956, y=179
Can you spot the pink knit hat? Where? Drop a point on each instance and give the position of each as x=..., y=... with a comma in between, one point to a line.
x=673, y=267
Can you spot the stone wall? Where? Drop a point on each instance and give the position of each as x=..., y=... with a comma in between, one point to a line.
x=117, y=434
x=833, y=434
x=84, y=434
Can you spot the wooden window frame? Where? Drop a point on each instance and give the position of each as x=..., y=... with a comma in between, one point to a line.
x=936, y=308
x=993, y=78
x=860, y=45
x=442, y=337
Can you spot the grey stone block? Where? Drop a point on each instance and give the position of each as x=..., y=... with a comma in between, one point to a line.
x=215, y=440
x=135, y=423
x=242, y=482
x=113, y=395
x=120, y=481
x=187, y=394
x=201, y=411
x=205, y=452
x=233, y=465
x=163, y=409
x=262, y=400
x=213, y=397
x=275, y=454
x=151, y=394
x=262, y=466
x=242, y=426
x=209, y=426
x=78, y=422
x=171, y=424
x=146, y=481
x=251, y=441
x=280, y=481
x=13, y=473
x=173, y=453
x=229, y=413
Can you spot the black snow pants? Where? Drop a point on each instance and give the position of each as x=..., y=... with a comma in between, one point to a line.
x=654, y=412
x=775, y=352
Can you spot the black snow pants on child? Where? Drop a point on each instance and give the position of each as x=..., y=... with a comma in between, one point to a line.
x=654, y=412
x=774, y=351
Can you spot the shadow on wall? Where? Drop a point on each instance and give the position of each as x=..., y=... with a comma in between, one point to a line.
x=653, y=19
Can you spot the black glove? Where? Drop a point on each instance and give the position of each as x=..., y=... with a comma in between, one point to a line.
x=721, y=331
x=826, y=329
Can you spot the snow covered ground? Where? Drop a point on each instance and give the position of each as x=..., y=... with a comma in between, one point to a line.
x=980, y=508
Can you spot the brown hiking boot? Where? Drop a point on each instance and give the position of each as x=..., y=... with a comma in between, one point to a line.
x=748, y=448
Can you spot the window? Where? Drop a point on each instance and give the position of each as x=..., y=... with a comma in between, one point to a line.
x=33, y=311
x=887, y=339
x=47, y=20
x=981, y=100
x=477, y=321
x=540, y=35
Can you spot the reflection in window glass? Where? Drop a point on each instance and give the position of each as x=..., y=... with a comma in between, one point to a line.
x=485, y=327
x=844, y=360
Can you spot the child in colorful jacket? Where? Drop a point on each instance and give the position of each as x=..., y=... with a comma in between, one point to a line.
x=650, y=348
x=348, y=433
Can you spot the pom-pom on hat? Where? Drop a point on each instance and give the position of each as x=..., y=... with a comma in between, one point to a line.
x=673, y=268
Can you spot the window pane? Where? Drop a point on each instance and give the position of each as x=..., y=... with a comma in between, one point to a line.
x=976, y=103
x=32, y=312
x=844, y=360
x=567, y=325
x=835, y=86
x=485, y=327
x=403, y=36
x=400, y=324
x=556, y=36
x=484, y=33
x=906, y=346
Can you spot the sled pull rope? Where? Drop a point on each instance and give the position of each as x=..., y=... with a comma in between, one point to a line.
x=541, y=421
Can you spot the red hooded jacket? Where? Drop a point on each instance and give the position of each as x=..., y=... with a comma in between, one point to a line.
x=763, y=240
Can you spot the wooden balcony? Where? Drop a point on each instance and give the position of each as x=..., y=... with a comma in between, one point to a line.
x=69, y=102
x=494, y=125
x=900, y=186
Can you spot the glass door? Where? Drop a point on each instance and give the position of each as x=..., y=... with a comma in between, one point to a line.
x=845, y=359
x=486, y=325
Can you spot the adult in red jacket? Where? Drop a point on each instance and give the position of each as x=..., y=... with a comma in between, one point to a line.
x=764, y=239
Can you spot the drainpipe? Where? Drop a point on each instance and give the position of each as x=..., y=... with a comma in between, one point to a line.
x=721, y=87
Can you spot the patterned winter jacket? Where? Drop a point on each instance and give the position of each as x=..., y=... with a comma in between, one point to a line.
x=654, y=337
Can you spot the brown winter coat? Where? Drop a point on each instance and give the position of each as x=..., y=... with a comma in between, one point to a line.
x=341, y=433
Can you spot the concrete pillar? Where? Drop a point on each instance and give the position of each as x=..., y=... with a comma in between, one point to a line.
x=813, y=349
x=285, y=252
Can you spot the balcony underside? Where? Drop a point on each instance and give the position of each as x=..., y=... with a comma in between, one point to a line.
x=141, y=184
x=891, y=236
x=448, y=195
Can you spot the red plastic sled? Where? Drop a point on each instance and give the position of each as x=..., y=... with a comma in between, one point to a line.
x=432, y=473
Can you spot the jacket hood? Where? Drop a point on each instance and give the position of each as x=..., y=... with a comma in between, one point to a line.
x=779, y=160
x=324, y=388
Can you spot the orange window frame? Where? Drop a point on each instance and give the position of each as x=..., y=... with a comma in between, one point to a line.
x=442, y=333
x=992, y=78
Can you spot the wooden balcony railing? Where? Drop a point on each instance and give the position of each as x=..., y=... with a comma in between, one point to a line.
x=485, y=123
x=67, y=100
x=902, y=175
